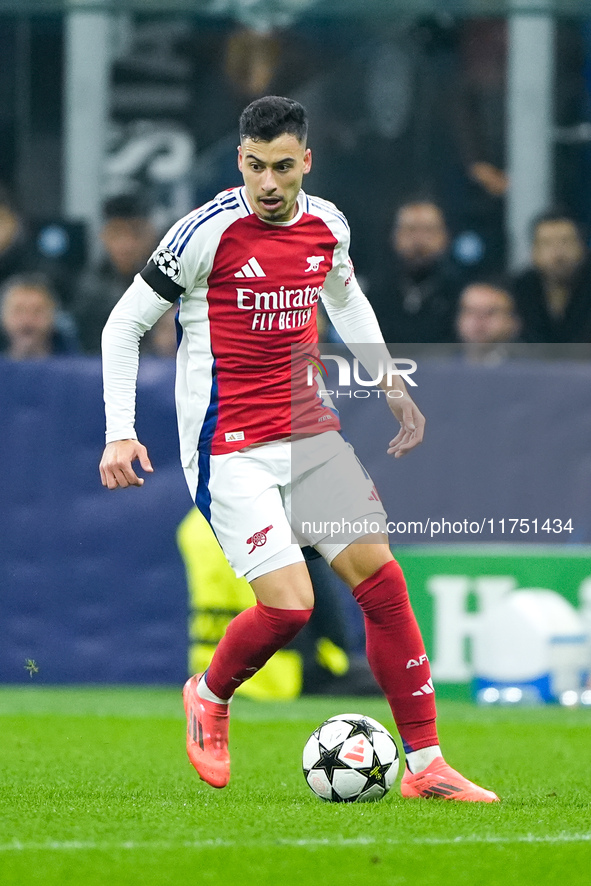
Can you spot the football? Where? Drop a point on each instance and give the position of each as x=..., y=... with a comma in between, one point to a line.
x=350, y=758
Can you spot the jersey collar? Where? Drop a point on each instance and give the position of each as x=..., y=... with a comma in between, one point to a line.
x=299, y=211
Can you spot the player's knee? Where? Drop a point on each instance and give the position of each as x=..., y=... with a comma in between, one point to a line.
x=383, y=591
x=285, y=623
x=361, y=560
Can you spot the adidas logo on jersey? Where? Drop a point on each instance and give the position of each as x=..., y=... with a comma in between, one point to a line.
x=251, y=269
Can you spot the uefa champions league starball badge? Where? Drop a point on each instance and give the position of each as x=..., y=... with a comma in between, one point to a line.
x=167, y=262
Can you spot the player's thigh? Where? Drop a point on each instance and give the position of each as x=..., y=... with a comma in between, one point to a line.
x=336, y=504
x=246, y=512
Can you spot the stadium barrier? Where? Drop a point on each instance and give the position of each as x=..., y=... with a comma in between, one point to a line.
x=452, y=588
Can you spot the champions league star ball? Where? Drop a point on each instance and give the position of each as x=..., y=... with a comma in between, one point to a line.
x=168, y=263
x=350, y=758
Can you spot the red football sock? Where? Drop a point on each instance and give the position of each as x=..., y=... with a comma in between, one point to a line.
x=396, y=655
x=250, y=640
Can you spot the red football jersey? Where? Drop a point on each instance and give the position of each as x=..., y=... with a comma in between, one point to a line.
x=249, y=293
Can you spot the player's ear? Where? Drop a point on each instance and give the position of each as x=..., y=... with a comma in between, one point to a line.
x=240, y=157
x=307, y=161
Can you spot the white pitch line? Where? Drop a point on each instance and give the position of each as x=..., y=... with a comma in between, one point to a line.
x=333, y=842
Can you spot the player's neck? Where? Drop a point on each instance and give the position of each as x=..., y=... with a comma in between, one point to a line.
x=295, y=214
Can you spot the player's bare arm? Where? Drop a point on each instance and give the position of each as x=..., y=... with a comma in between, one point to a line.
x=405, y=410
x=116, y=467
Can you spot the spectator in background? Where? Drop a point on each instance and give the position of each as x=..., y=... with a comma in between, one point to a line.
x=553, y=296
x=479, y=111
x=486, y=322
x=22, y=252
x=31, y=324
x=16, y=253
x=414, y=290
x=128, y=237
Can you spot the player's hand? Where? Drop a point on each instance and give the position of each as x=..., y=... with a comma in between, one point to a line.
x=116, y=464
x=412, y=426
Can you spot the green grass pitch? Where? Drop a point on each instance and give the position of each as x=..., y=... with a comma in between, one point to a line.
x=96, y=790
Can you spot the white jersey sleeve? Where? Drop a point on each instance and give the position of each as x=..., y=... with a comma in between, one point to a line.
x=347, y=307
x=171, y=270
x=183, y=260
x=180, y=264
x=132, y=316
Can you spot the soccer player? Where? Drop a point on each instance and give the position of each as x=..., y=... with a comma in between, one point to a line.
x=249, y=268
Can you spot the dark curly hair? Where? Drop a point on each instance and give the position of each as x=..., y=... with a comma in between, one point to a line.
x=271, y=116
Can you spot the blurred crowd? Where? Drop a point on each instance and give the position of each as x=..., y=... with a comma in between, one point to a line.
x=420, y=292
x=391, y=108
x=48, y=308
x=422, y=295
